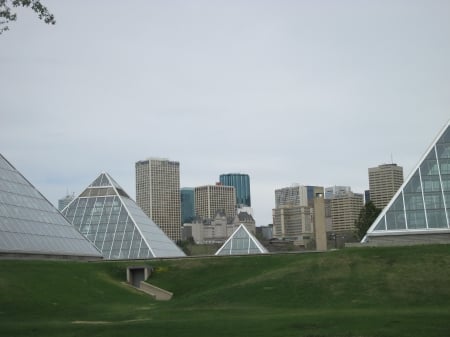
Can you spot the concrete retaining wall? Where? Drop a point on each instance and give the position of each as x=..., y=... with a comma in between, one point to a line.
x=158, y=293
x=405, y=240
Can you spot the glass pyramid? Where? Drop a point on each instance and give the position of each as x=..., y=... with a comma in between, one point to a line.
x=107, y=216
x=30, y=224
x=422, y=204
x=241, y=242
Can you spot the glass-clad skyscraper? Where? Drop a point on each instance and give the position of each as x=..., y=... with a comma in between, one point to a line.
x=31, y=225
x=422, y=204
x=108, y=217
x=187, y=196
x=241, y=183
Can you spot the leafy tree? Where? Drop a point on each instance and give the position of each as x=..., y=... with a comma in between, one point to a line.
x=366, y=218
x=7, y=14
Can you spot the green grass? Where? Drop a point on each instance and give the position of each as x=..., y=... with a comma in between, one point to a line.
x=398, y=291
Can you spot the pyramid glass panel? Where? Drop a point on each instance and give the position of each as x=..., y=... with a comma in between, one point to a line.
x=105, y=214
x=241, y=242
x=29, y=224
x=422, y=203
x=381, y=224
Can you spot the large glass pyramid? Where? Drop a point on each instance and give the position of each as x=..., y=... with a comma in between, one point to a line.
x=109, y=218
x=241, y=242
x=422, y=204
x=30, y=224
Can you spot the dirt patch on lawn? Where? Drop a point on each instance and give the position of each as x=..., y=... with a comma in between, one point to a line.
x=107, y=322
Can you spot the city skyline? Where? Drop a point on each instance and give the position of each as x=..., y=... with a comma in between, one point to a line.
x=258, y=222
x=313, y=93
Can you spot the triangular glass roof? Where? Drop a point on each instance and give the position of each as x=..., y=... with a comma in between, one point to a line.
x=30, y=224
x=241, y=242
x=422, y=204
x=108, y=217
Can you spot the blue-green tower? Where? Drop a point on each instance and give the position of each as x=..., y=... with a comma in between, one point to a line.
x=241, y=183
x=187, y=204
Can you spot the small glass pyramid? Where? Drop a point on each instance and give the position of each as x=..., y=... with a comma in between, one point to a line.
x=422, y=204
x=241, y=242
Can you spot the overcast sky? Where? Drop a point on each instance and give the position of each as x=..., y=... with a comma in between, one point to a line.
x=308, y=92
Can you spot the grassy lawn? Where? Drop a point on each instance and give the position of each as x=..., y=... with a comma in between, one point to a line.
x=352, y=292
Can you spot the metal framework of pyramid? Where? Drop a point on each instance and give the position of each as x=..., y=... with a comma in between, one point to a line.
x=422, y=204
x=31, y=225
x=108, y=217
x=241, y=242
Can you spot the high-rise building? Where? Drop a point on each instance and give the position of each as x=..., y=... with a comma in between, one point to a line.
x=293, y=215
x=63, y=202
x=187, y=196
x=345, y=210
x=241, y=183
x=158, y=193
x=419, y=212
x=109, y=218
x=293, y=222
x=384, y=181
x=212, y=198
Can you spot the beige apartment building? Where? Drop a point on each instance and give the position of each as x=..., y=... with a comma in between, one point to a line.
x=295, y=223
x=384, y=181
x=210, y=199
x=294, y=216
x=158, y=193
x=345, y=209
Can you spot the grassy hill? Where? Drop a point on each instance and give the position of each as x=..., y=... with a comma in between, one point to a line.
x=400, y=291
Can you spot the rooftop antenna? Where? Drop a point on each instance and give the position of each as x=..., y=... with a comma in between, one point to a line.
x=392, y=159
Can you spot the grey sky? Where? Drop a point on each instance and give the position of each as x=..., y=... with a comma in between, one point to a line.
x=309, y=92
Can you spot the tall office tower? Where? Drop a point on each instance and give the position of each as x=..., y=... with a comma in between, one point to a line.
x=334, y=191
x=212, y=198
x=63, y=202
x=187, y=204
x=345, y=209
x=158, y=193
x=384, y=182
x=241, y=183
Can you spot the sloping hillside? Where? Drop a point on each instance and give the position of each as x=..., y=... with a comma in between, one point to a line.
x=353, y=292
